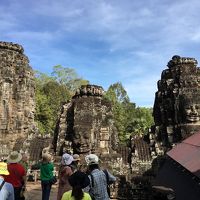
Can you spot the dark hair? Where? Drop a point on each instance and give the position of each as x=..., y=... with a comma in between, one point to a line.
x=77, y=192
x=78, y=181
x=93, y=166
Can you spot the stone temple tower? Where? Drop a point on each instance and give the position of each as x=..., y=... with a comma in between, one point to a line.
x=177, y=103
x=17, y=91
x=86, y=124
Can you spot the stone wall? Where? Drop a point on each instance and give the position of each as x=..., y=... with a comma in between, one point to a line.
x=17, y=91
x=141, y=158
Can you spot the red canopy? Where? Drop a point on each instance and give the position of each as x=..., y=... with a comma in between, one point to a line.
x=187, y=153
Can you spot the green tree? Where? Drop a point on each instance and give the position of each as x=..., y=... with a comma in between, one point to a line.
x=118, y=97
x=68, y=77
x=117, y=93
x=44, y=113
x=51, y=92
x=128, y=119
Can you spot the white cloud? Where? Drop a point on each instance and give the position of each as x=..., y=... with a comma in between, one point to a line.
x=127, y=41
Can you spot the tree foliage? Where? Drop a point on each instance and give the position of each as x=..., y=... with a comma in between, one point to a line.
x=51, y=92
x=68, y=77
x=128, y=118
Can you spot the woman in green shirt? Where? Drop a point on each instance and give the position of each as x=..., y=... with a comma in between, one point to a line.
x=46, y=175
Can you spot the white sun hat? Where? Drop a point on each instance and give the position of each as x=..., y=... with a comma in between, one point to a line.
x=92, y=159
x=67, y=159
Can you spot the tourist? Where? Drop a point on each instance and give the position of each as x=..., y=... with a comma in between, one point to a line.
x=6, y=189
x=46, y=175
x=75, y=165
x=17, y=174
x=78, y=181
x=64, y=173
x=24, y=161
x=98, y=179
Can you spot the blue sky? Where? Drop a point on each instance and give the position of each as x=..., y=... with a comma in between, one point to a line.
x=105, y=41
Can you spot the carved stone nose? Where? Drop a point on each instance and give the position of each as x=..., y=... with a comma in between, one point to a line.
x=194, y=111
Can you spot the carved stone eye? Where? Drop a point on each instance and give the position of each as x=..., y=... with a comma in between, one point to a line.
x=197, y=107
x=77, y=136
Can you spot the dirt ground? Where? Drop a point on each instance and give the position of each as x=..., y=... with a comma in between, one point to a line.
x=34, y=191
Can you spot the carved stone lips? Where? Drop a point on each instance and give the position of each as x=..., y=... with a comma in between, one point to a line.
x=83, y=148
x=193, y=118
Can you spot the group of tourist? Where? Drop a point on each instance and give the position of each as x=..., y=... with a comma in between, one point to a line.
x=75, y=183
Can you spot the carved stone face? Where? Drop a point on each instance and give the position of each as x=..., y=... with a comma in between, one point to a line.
x=192, y=112
x=82, y=140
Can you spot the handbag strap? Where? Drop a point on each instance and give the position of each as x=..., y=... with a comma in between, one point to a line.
x=2, y=184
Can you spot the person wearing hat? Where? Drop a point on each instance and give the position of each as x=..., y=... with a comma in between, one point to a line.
x=46, y=175
x=17, y=173
x=6, y=189
x=24, y=161
x=66, y=170
x=75, y=165
x=99, y=179
x=78, y=181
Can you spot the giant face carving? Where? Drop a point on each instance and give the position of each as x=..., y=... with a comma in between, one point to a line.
x=82, y=140
x=190, y=109
x=192, y=112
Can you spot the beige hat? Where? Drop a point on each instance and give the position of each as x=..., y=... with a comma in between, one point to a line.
x=3, y=168
x=14, y=157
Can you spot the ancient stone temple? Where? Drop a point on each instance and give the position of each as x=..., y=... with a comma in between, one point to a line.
x=177, y=106
x=17, y=92
x=86, y=124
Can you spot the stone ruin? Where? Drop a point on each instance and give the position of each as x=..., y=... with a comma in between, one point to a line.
x=17, y=104
x=176, y=115
x=140, y=157
x=177, y=104
x=86, y=122
x=82, y=127
x=86, y=125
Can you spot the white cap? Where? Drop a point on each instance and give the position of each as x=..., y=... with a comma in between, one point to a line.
x=67, y=159
x=92, y=159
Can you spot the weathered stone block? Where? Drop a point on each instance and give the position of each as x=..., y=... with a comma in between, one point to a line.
x=17, y=95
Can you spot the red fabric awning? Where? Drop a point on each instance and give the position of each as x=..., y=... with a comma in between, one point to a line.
x=187, y=154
